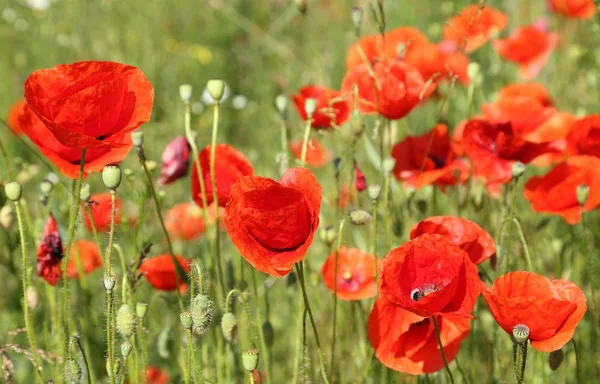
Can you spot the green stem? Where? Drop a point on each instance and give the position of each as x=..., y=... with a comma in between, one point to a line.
x=109, y=294
x=335, y=295
x=77, y=341
x=251, y=377
x=576, y=358
x=111, y=233
x=228, y=299
x=298, y=352
x=520, y=359
x=109, y=343
x=386, y=210
x=524, y=244
x=507, y=248
x=439, y=339
x=88, y=210
x=284, y=158
x=7, y=166
x=263, y=343
x=305, y=141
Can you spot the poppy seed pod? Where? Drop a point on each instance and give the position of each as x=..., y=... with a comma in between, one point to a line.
x=126, y=348
x=85, y=193
x=229, y=327
x=72, y=372
x=328, y=235
x=125, y=321
x=138, y=138
x=518, y=169
x=141, y=309
x=374, y=191
x=281, y=103
x=555, y=359
x=583, y=191
x=186, y=320
x=111, y=176
x=310, y=106
x=109, y=282
x=388, y=165
x=202, y=310
x=13, y=190
x=46, y=187
x=360, y=217
x=250, y=359
x=185, y=92
x=216, y=89
x=521, y=333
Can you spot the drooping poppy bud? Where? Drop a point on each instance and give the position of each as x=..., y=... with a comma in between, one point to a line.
x=50, y=252
x=360, y=180
x=175, y=160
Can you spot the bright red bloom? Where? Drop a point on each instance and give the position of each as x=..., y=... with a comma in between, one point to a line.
x=551, y=309
x=161, y=273
x=316, y=155
x=90, y=104
x=430, y=276
x=397, y=87
x=272, y=223
x=230, y=166
x=360, y=181
x=88, y=255
x=101, y=206
x=14, y=114
x=439, y=61
x=584, y=137
x=175, y=161
x=355, y=276
x=332, y=109
x=50, y=252
x=555, y=192
x=573, y=9
x=536, y=91
x=185, y=221
x=407, y=343
x=473, y=26
x=156, y=376
x=67, y=159
x=429, y=159
x=464, y=233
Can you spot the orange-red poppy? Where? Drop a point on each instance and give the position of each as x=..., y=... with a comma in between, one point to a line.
x=584, y=137
x=230, y=166
x=14, y=114
x=67, y=159
x=272, y=223
x=101, y=206
x=529, y=47
x=88, y=255
x=573, y=9
x=316, y=155
x=551, y=309
x=331, y=108
x=396, y=88
x=355, y=275
x=406, y=342
x=185, y=221
x=439, y=61
x=175, y=161
x=474, y=26
x=90, y=104
x=536, y=91
x=156, y=376
x=161, y=273
x=429, y=159
x=464, y=233
x=50, y=252
x=556, y=192
x=429, y=276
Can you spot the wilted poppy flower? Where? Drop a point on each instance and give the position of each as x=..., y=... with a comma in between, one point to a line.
x=429, y=159
x=88, y=255
x=574, y=9
x=316, y=155
x=272, y=223
x=551, y=309
x=101, y=206
x=474, y=26
x=14, y=114
x=556, y=192
x=230, y=166
x=156, y=376
x=90, y=104
x=584, y=137
x=528, y=46
x=185, y=220
x=464, y=233
x=397, y=87
x=161, y=273
x=175, y=161
x=50, y=252
x=67, y=159
x=430, y=276
x=355, y=276
x=332, y=109
x=407, y=343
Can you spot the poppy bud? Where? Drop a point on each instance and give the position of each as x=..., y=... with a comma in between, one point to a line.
x=521, y=333
x=141, y=309
x=109, y=282
x=53, y=178
x=111, y=176
x=281, y=102
x=229, y=327
x=555, y=359
x=310, y=106
x=126, y=348
x=185, y=92
x=357, y=123
x=175, y=160
x=202, y=310
x=85, y=193
x=72, y=372
x=328, y=235
x=268, y=333
x=388, y=165
x=360, y=217
x=137, y=137
x=473, y=70
x=302, y=6
x=13, y=190
x=374, y=191
x=46, y=187
x=186, y=320
x=150, y=165
x=125, y=321
x=6, y=216
x=116, y=367
x=216, y=89
x=517, y=170
x=583, y=191
x=357, y=15
x=250, y=359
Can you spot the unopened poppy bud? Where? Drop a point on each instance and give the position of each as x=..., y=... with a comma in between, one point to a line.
x=301, y=5
x=518, y=169
x=202, y=310
x=281, y=102
x=46, y=187
x=72, y=372
x=583, y=191
x=85, y=193
x=521, y=333
x=250, y=359
x=216, y=89
x=138, y=138
x=360, y=217
x=6, y=216
x=473, y=70
x=310, y=106
x=388, y=165
x=229, y=327
x=141, y=309
x=185, y=92
x=125, y=321
x=13, y=190
x=374, y=191
x=109, y=282
x=328, y=235
x=126, y=348
x=268, y=333
x=111, y=176
x=116, y=367
x=357, y=15
x=357, y=123
x=555, y=359
x=186, y=320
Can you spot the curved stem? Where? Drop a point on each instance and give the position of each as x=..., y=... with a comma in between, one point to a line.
x=335, y=295
x=305, y=142
x=7, y=166
x=229, y=296
x=77, y=341
x=507, y=248
x=523, y=243
x=439, y=339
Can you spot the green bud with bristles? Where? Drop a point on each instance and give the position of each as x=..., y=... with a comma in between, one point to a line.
x=202, y=310
x=72, y=372
x=186, y=320
x=281, y=103
x=125, y=321
x=374, y=191
x=229, y=327
x=360, y=217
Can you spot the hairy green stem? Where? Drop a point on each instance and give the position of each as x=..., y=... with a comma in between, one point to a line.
x=88, y=210
x=524, y=244
x=263, y=343
x=77, y=342
x=439, y=339
x=520, y=359
x=576, y=359
x=305, y=141
x=283, y=156
x=507, y=248
x=335, y=295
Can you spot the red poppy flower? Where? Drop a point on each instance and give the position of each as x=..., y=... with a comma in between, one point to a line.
x=67, y=159
x=555, y=192
x=528, y=46
x=316, y=155
x=429, y=276
x=464, y=233
x=101, y=206
x=156, y=376
x=536, y=91
x=573, y=9
x=438, y=61
x=50, y=252
x=474, y=26
x=551, y=309
x=230, y=166
x=14, y=115
x=272, y=223
x=332, y=109
x=175, y=161
x=89, y=257
x=494, y=148
x=160, y=272
x=346, y=197
x=397, y=87
x=360, y=181
x=356, y=274
x=407, y=343
x=429, y=159
x=184, y=221
x=584, y=137
x=90, y=104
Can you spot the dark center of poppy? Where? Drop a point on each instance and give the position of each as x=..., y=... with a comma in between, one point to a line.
x=101, y=137
x=439, y=162
x=53, y=247
x=424, y=290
